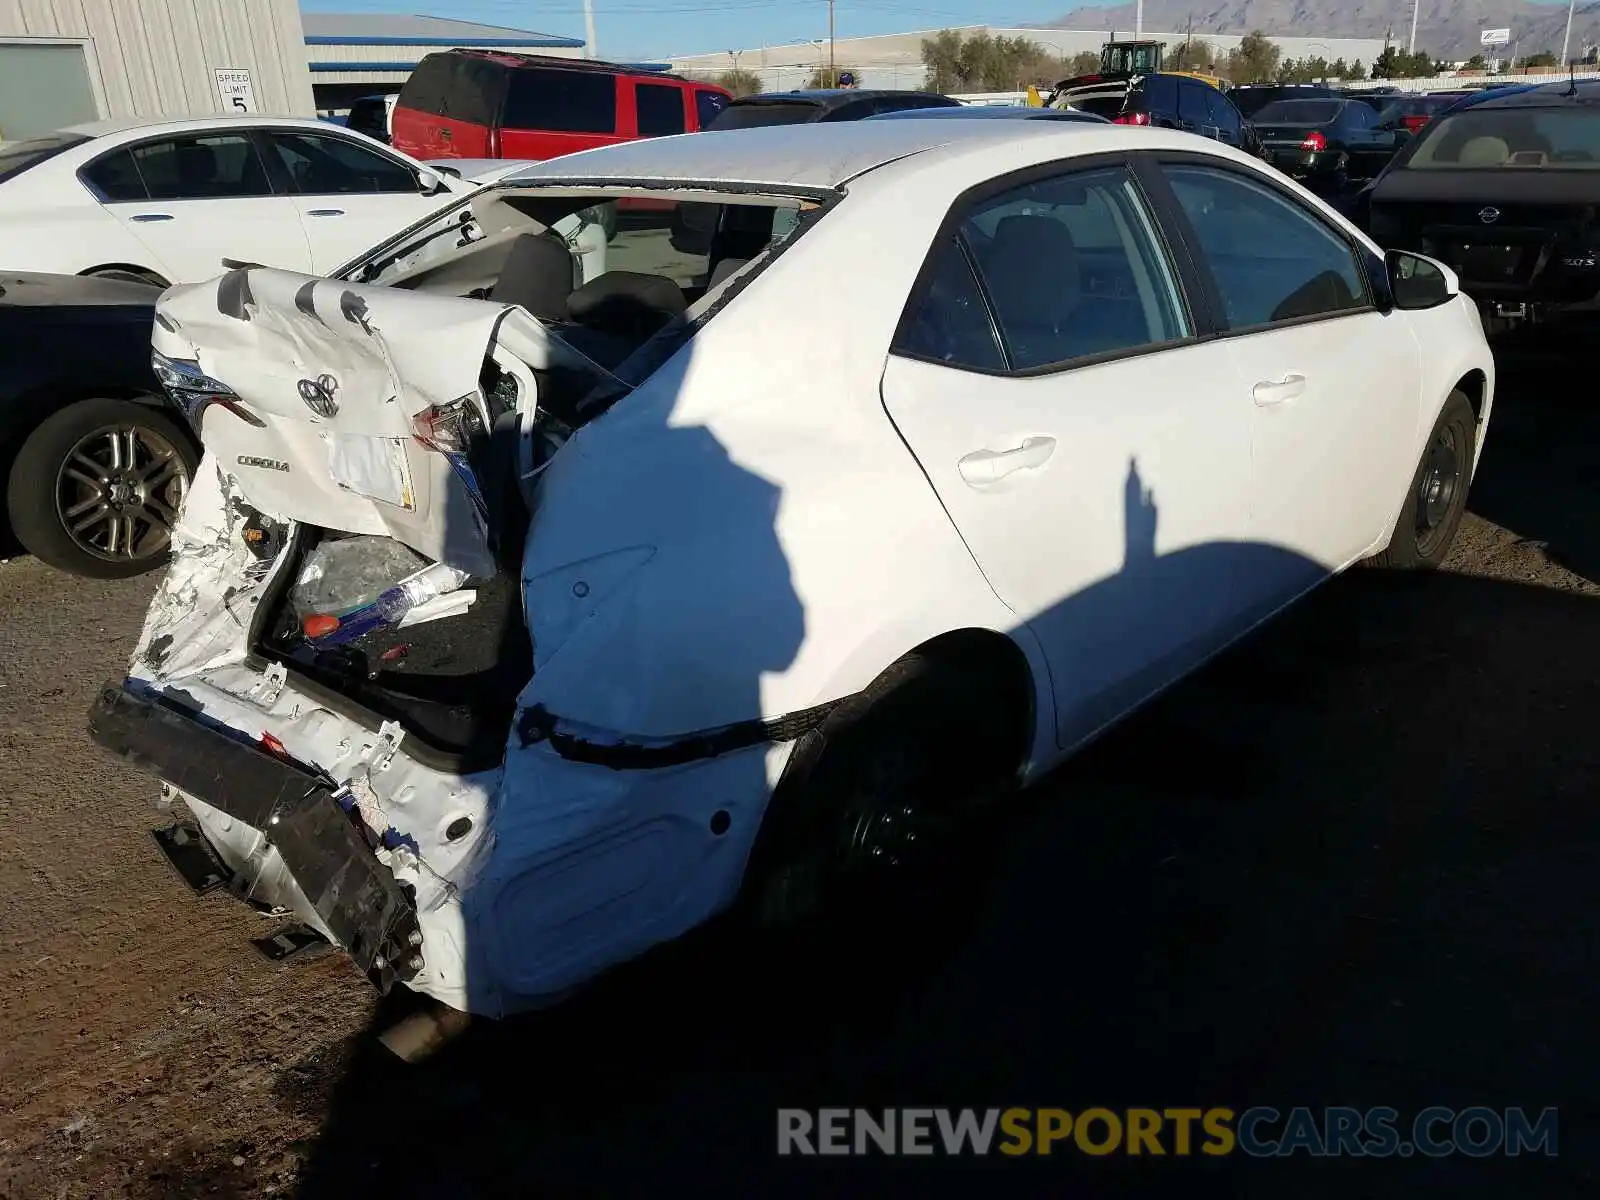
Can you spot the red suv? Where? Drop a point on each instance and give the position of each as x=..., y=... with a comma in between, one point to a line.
x=489, y=104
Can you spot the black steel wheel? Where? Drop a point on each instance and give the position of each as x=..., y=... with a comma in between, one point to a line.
x=1437, y=499
x=869, y=810
x=97, y=488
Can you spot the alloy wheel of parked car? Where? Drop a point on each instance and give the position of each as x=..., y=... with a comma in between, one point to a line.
x=97, y=488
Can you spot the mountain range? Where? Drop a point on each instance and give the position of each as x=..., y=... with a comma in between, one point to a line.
x=1447, y=29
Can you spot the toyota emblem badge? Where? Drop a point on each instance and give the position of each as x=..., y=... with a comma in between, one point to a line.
x=318, y=395
x=1489, y=215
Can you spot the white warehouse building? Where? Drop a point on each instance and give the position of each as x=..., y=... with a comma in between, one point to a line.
x=894, y=60
x=70, y=61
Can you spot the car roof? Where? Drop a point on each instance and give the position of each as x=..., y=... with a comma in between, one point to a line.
x=986, y=112
x=828, y=98
x=141, y=125
x=1567, y=93
x=809, y=156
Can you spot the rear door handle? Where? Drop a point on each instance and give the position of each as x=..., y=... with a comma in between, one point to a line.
x=326, y=212
x=991, y=466
x=151, y=217
x=1268, y=393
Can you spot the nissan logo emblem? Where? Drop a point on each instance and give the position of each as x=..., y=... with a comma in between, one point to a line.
x=1489, y=215
x=318, y=395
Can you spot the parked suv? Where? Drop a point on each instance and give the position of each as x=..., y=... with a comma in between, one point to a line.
x=489, y=104
x=1162, y=100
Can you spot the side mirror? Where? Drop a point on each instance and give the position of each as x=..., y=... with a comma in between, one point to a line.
x=432, y=183
x=1418, y=282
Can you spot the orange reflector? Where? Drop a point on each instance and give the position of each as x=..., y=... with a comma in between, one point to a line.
x=274, y=747
x=319, y=624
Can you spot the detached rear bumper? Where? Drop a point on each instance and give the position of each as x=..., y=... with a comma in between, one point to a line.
x=357, y=898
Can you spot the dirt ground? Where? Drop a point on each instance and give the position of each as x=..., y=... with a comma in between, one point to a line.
x=1357, y=861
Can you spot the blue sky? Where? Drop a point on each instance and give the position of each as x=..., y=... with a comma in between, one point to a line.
x=637, y=29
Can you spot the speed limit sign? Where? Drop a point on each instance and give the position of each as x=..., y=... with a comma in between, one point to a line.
x=233, y=87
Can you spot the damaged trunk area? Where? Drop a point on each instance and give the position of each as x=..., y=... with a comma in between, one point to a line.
x=441, y=652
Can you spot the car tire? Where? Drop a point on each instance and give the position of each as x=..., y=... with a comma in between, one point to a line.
x=113, y=522
x=872, y=799
x=1437, y=498
x=122, y=275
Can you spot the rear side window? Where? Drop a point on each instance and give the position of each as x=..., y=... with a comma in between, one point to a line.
x=1192, y=104
x=1101, y=106
x=708, y=106
x=562, y=101
x=216, y=167
x=17, y=158
x=660, y=108
x=116, y=178
x=951, y=324
x=428, y=84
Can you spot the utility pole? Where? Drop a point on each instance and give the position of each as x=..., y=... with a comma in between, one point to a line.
x=1138, y=18
x=1566, y=42
x=833, y=70
x=1416, y=10
x=588, y=28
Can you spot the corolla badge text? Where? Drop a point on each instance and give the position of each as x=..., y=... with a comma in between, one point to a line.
x=318, y=395
x=266, y=464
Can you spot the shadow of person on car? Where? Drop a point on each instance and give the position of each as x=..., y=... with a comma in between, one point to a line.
x=1340, y=865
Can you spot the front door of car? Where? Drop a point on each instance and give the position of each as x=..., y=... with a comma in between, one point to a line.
x=1094, y=457
x=348, y=196
x=196, y=200
x=1335, y=383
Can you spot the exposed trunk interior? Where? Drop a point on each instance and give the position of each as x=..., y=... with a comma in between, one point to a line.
x=452, y=683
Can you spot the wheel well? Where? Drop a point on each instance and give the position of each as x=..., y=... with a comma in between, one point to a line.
x=132, y=269
x=1474, y=385
x=1000, y=670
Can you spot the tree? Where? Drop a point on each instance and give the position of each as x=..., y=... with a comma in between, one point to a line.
x=1359, y=70
x=1340, y=69
x=1194, y=56
x=984, y=63
x=739, y=82
x=828, y=77
x=1395, y=63
x=1477, y=63
x=1084, y=62
x=1255, y=59
x=1543, y=59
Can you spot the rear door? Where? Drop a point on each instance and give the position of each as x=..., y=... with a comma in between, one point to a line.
x=349, y=196
x=197, y=199
x=1335, y=384
x=1093, y=453
x=1194, y=108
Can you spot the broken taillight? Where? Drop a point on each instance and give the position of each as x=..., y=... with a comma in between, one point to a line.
x=1314, y=141
x=193, y=391
x=448, y=428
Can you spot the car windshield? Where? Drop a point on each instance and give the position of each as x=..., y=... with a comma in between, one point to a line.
x=19, y=156
x=751, y=116
x=1300, y=112
x=1482, y=138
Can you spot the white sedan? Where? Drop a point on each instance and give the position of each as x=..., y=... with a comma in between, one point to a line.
x=513, y=630
x=167, y=200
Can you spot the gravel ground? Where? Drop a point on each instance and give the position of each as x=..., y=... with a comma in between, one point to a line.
x=1357, y=861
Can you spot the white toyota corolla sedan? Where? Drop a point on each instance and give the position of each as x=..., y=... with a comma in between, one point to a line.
x=514, y=629
x=166, y=200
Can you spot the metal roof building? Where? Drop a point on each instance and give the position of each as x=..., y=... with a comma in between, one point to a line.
x=357, y=54
x=70, y=61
